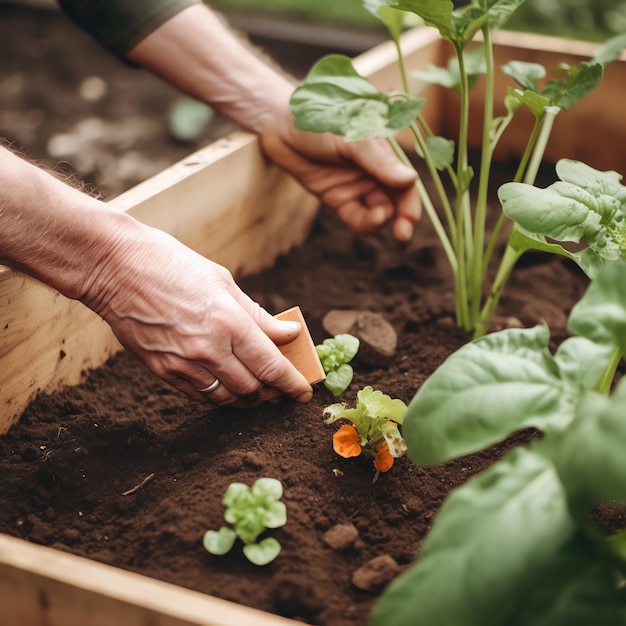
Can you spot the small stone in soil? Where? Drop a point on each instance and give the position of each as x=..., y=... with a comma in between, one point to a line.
x=413, y=504
x=377, y=336
x=376, y=573
x=341, y=536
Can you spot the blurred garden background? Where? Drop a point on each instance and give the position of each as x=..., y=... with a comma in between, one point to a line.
x=67, y=103
x=584, y=19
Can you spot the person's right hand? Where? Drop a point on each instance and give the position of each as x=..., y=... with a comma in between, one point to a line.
x=190, y=323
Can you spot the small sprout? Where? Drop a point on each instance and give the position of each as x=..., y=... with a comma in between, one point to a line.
x=373, y=428
x=335, y=353
x=250, y=510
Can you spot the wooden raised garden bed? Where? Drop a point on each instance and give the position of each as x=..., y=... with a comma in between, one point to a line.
x=48, y=342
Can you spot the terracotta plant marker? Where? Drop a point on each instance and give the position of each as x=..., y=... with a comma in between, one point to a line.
x=301, y=351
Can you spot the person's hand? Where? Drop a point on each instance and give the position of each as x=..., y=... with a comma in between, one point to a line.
x=364, y=182
x=185, y=317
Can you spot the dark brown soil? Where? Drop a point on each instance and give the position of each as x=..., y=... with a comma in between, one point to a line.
x=68, y=463
x=66, y=466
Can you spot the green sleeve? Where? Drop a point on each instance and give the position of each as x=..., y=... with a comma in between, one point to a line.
x=121, y=24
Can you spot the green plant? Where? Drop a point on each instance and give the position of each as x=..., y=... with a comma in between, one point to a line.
x=250, y=510
x=335, y=353
x=373, y=428
x=579, y=19
x=335, y=98
x=515, y=545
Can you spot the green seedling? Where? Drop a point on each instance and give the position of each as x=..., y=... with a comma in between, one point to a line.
x=250, y=511
x=336, y=98
x=373, y=428
x=516, y=545
x=335, y=354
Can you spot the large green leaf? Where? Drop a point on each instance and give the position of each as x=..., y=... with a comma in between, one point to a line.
x=457, y=26
x=495, y=385
x=336, y=98
x=589, y=455
x=499, y=10
x=610, y=50
x=585, y=204
x=579, y=81
x=601, y=313
x=526, y=75
x=392, y=18
x=489, y=535
x=575, y=587
x=435, y=13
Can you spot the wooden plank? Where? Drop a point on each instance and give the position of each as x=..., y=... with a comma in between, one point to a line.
x=226, y=201
x=47, y=587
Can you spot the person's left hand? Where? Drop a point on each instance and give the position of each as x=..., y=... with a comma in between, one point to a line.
x=365, y=182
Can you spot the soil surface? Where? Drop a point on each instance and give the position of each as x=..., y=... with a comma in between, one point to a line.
x=126, y=471
x=68, y=464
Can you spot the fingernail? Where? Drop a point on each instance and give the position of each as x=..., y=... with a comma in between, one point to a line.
x=290, y=325
x=378, y=215
x=403, y=171
x=403, y=230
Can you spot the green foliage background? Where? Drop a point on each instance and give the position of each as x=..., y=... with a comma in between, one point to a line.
x=582, y=19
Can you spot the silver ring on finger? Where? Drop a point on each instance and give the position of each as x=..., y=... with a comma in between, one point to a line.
x=212, y=387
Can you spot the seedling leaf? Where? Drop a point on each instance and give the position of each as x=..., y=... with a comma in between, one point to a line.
x=337, y=381
x=334, y=354
x=269, y=489
x=250, y=510
x=263, y=552
x=220, y=541
x=275, y=515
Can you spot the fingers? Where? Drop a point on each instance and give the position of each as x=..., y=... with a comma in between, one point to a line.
x=409, y=213
x=365, y=208
x=377, y=158
x=237, y=346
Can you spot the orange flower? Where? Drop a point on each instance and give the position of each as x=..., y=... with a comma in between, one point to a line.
x=383, y=461
x=346, y=441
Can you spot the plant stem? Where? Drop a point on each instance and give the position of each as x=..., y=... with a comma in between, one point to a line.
x=540, y=147
x=423, y=124
x=401, y=66
x=493, y=239
x=432, y=170
x=429, y=208
x=463, y=241
x=536, y=147
x=509, y=259
x=606, y=380
x=478, y=269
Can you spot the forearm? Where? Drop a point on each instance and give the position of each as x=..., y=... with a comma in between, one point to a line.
x=52, y=231
x=198, y=53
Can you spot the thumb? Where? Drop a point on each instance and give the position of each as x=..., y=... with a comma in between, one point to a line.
x=282, y=331
x=279, y=331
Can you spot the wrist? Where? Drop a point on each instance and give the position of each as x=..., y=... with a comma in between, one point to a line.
x=52, y=231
